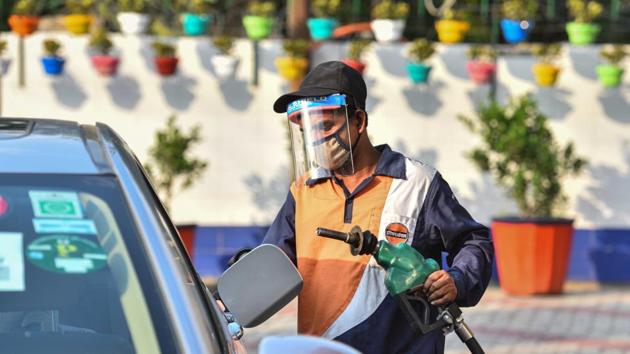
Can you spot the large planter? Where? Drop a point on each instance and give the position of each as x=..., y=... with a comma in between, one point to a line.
x=451, y=31
x=418, y=72
x=224, y=66
x=582, y=33
x=546, y=74
x=258, y=27
x=355, y=64
x=516, y=31
x=77, y=24
x=532, y=255
x=321, y=28
x=387, y=30
x=195, y=25
x=609, y=75
x=166, y=66
x=481, y=72
x=133, y=22
x=23, y=25
x=4, y=65
x=292, y=69
x=105, y=65
x=53, y=65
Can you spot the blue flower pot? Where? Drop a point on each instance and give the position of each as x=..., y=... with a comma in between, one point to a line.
x=516, y=31
x=321, y=28
x=195, y=25
x=418, y=72
x=53, y=65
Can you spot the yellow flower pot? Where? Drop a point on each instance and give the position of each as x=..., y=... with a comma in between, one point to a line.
x=546, y=74
x=77, y=24
x=451, y=31
x=292, y=69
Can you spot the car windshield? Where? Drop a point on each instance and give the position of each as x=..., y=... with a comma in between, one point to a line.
x=74, y=277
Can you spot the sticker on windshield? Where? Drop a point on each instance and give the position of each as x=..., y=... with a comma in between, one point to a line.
x=68, y=226
x=11, y=262
x=48, y=204
x=66, y=254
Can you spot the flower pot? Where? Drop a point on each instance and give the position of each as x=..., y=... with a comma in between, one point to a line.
x=609, y=75
x=545, y=74
x=53, y=65
x=4, y=65
x=480, y=72
x=166, y=66
x=355, y=64
x=77, y=24
x=292, y=69
x=418, y=72
x=532, y=255
x=133, y=22
x=258, y=27
x=105, y=65
x=516, y=31
x=582, y=33
x=23, y=25
x=195, y=25
x=224, y=66
x=321, y=28
x=387, y=30
x=451, y=31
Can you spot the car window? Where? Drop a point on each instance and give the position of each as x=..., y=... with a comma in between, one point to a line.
x=73, y=275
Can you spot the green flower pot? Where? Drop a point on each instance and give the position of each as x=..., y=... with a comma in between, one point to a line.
x=582, y=33
x=609, y=75
x=258, y=27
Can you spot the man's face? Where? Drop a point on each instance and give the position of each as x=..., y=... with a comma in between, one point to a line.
x=321, y=124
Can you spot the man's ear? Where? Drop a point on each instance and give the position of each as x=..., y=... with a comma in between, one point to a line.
x=361, y=118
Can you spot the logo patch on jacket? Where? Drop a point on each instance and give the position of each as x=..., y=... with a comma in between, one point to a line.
x=396, y=233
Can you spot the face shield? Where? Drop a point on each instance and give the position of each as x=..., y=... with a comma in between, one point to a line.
x=320, y=137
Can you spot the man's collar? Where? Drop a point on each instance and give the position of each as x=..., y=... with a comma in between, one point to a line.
x=390, y=163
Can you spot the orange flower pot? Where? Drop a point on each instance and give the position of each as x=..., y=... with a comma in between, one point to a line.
x=532, y=255
x=77, y=24
x=355, y=64
x=23, y=25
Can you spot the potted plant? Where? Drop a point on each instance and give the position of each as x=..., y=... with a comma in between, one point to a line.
x=195, y=20
x=165, y=58
x=419, y=51
x=24, y=18
x=357, y=48
x=52, y=61
x=610, y=74
x=452, y=26
x=132, y=16
x=482, y=64
x=545, y=71
x=517, y=19
x=78, y=20
x=324, y=23
x=4, y=62
x=520, y=152
x=388, y=20
x=293, y=66
x=258, y=22
x=104, y=63
x=582, y=30
x=224, y=64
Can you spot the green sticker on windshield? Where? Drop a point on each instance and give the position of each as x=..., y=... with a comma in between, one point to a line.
x=66, y=254
x=49, y=204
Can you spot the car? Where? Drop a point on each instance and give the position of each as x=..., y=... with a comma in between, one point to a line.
x=90, y=261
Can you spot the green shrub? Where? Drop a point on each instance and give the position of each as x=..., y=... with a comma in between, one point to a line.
x=325, y=8
x=223, y=43
x=421, y=50
x=139, y=6
x=482, y=52
x=614, y=54
x=358, y=47
x=390, y=10
x=547, y=52
x=100, y=42
x=51, y=47
x=26, y=7
x=3, y=47
x=584, y=11
x=261, y=8
x=296, y=48
x=162, y=49
x=79, y=7
x=519, y=9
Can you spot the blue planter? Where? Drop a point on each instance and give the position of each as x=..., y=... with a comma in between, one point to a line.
x=195, y=25
x=321, y=28
x=53, y=65
x=418, y=72
x=516, y=31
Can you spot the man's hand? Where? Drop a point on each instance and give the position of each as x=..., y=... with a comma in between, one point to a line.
x=439, y=288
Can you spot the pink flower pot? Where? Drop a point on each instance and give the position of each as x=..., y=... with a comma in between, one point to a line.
x=481, y=71
x=105, y=65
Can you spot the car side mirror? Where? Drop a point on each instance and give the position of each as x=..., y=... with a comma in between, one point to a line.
x=259, y=284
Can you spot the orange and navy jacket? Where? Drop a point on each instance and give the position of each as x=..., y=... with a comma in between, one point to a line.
x=344, y=296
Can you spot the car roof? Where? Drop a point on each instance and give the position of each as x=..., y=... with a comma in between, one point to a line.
x=52, y=146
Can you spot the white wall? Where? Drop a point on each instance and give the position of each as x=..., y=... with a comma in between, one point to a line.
x=245, y=140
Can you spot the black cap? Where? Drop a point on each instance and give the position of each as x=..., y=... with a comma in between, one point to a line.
x=326, y=79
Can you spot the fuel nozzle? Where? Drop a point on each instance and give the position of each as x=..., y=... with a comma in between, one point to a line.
x=361, y=242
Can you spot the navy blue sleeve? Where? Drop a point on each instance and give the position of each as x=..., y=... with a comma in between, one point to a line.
x=282, y=231
x=468, y=243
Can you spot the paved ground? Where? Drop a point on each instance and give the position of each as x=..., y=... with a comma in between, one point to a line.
x=586, y=319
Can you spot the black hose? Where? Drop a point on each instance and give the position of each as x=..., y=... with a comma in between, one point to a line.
x=474, y=346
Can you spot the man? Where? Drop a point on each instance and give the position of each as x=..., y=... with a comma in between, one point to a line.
x=342, y=180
